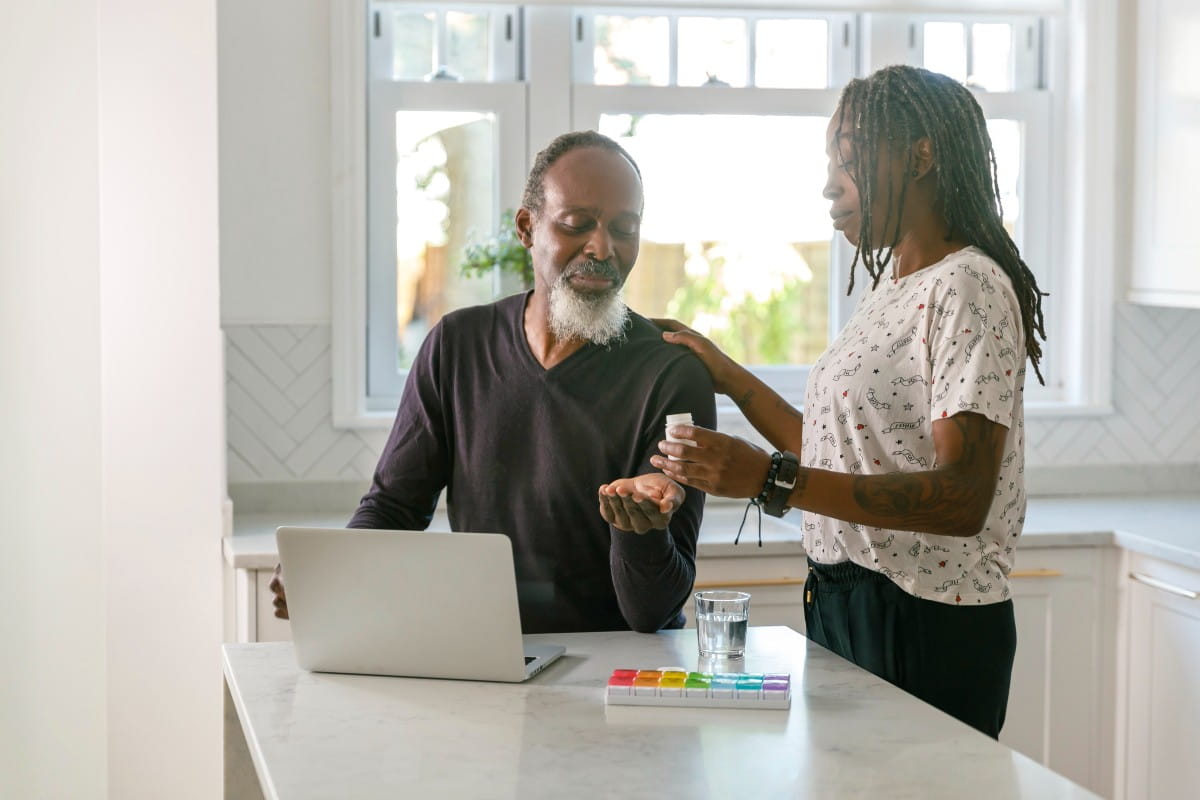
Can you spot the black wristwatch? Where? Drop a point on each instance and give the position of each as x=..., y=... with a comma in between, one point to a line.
x=781, y=485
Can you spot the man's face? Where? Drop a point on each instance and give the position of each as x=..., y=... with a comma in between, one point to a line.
x=585, y=240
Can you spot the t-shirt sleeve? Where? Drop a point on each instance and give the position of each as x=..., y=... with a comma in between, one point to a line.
x=414, y=465
x=976, y=346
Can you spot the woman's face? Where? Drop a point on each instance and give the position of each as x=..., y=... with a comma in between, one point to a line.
x=843, y=179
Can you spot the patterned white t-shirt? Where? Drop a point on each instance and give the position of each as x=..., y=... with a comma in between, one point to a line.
x=944, y=339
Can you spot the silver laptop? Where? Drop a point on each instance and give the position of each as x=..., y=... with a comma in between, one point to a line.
x=411, y=603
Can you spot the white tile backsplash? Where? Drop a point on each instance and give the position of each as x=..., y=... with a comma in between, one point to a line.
x=278, y=381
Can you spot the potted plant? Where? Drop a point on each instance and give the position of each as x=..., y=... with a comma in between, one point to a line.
x=502, y=250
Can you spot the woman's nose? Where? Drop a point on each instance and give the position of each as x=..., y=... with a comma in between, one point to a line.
x=832, y=189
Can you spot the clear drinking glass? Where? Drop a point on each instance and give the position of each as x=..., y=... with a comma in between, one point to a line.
x=721, y=623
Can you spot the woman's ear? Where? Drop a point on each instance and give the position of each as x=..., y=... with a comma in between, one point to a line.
x=921, y=158
x=523, y=221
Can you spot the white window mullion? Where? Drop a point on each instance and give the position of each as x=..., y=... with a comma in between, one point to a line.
x=843, y=48
x=592, y=101
x=673, y=50
x=554, y=39
x=381, y=47
x=440, y=42
x=1027, y=55
x=381, y=340
x=505, y=40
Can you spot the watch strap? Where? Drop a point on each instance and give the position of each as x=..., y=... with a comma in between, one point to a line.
x=781, y=484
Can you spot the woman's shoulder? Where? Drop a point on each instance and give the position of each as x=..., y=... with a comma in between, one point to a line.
x=969, y=270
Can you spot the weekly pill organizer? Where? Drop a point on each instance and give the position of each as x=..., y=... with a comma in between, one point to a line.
x=674, y=687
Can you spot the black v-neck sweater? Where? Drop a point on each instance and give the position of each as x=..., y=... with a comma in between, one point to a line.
x=522, y=451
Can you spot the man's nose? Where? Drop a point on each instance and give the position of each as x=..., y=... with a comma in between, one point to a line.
x=599, y=245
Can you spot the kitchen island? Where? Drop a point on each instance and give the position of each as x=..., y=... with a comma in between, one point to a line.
x=847, y=733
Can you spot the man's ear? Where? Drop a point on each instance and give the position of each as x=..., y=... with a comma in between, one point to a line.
x=921, y=157
x=524, y=224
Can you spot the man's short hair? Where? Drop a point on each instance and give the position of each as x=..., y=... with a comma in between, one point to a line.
x=535, y=185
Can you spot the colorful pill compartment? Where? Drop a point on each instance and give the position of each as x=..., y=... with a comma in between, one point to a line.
x=668, y=687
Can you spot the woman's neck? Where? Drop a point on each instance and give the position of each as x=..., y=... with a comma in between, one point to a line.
x=919, y=248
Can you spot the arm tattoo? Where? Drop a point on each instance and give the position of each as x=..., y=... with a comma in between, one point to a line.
x=945, y=498
x=798, y=490
x=788, y=408
x=744, y=399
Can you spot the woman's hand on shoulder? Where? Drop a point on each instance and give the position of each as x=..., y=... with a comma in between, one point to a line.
x=723, y=369
x=721, y=465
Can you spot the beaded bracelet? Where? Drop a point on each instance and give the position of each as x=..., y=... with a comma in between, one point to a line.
x=761, y=498
x=769, y=485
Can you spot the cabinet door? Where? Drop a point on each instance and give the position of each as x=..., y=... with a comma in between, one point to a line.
x=1163, y=760
x=1166, y=206
x=775, y=584
x=1055, y=713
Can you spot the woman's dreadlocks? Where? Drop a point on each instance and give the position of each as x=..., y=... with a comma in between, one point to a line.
x=899, y=105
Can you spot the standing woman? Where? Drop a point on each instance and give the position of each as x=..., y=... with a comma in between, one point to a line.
x=908, y=461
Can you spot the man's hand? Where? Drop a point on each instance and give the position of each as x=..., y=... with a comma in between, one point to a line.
x=276, y=586
x=640, y=504
x=721, y=465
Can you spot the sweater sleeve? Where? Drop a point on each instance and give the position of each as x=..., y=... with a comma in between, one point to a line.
x=414, y=466
x=653, y=572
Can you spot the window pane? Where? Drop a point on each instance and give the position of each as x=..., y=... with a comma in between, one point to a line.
x=946, y=49
x=467, y=50
x=791, y=54
x=413, y=37
x=1006, y=142
x=991, y=57
x=735, y=240
x=632, y=50
x=445, y=190
x=712, y=50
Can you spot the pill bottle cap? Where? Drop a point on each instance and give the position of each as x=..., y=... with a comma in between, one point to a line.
x=679, y=419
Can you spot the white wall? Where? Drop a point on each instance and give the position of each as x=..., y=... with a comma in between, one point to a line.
x=275, y=189
x=52, y=671
x=111, y=415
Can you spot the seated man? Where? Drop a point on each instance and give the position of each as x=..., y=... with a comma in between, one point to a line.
x=525, y=409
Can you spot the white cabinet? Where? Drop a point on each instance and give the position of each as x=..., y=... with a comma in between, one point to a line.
x=254, y=609
x=1059, y=711
x=1166, y=257
x=775, y=582
x=1163, y=697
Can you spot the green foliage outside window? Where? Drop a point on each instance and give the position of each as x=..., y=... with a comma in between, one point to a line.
x=752, y=330
x=503, y=251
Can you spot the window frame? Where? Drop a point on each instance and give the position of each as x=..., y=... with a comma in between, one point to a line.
x=1083, y=110
x=506, y=101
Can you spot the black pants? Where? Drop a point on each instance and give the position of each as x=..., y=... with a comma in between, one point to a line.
x=956, y=658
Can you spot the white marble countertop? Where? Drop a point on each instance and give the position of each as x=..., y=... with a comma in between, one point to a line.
x=847, y=733
x=1164, y=526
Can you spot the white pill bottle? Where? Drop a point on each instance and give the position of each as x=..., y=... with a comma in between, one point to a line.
x=678, y=419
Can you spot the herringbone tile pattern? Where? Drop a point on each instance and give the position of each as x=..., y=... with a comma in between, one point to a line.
x=278, y=404
x=278, y=384
x=1156, y=393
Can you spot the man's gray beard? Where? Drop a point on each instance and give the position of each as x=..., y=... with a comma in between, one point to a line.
x=597, y=318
